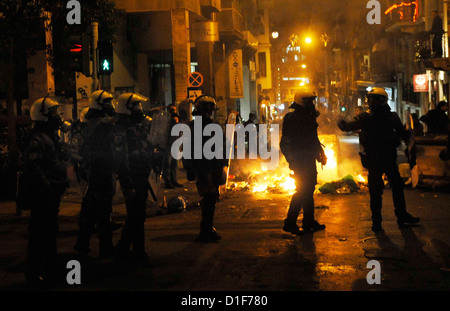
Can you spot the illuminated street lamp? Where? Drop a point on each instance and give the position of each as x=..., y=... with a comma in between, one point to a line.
x=303, y=66
x=308, y=40
x=275, y=34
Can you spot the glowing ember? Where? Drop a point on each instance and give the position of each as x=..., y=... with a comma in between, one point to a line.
x=262, y=180
x=288, y=185
x=332, y=163
x=329, y=172
x=360, y=179
x=265, y=180
x=260, y=188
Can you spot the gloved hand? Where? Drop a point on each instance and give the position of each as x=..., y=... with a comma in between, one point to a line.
x=322, y=158
x=341, y=124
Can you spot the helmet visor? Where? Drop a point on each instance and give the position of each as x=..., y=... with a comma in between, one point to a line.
x=53, y=112
x=310, y=100
x=136, y=106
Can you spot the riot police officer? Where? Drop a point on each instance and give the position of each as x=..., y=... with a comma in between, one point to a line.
x=97, y=153
x=46, y=179
x=170, y=163
x=209, y=174
x=301, y=147
x=75, y=139
x=133, y=148
x=381, y=131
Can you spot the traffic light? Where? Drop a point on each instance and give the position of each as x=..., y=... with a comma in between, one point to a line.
x=105, y=58
x=80, y=54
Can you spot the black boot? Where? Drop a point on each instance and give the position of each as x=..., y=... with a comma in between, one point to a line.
x=407, y=219
x=313, y=226
x=291, y=227
x=376, y=227
x=207, y=236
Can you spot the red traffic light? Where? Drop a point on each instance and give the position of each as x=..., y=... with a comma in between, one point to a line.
x=77, y=48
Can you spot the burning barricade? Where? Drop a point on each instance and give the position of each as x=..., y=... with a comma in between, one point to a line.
x=262, y=179
x=254, y=176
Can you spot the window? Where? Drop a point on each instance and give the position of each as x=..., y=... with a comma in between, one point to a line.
x=262, y=64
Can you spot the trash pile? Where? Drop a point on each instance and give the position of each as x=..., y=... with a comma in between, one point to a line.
x=345, y=185
x=264, y=180
x=280, y=181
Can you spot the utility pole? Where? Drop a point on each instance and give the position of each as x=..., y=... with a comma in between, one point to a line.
x=446, y=53
x=95, y=54
x=445, y=23
x=325, y=39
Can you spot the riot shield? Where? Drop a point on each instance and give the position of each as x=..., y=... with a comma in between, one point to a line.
x=159, y=139
x=160, y=130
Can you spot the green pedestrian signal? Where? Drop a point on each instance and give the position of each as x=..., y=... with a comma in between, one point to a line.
x=105, y=53
x=105, y=65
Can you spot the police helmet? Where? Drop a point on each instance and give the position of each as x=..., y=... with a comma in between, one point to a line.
x=177, y=204
x=304, y=95
x=377, y=92
x=129, y=102
x=204, y=105
x=42, y=108
x=100, y=100
x=376, y=97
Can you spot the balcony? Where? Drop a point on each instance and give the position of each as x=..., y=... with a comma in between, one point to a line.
x=231, y=23
x=140, y=6
x=211, y=6
x=425, y=55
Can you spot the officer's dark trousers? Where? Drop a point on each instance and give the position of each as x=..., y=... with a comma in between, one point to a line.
x=210, y=194
x=133, y=232
x=305, y=182
x=170, y=170
x=377, y=165
x=43, y=228
x=96, y=209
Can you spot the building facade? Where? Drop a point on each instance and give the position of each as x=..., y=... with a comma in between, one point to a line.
x=165, y=42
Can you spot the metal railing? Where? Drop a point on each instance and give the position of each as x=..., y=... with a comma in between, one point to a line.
x=230, y=20
x=424, y=48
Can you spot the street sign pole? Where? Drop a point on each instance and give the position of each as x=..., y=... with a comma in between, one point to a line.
x=95, y=55
x=195, y=81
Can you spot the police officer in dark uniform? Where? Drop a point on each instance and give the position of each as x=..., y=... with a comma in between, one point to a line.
x=381, y=131
x=132, y=144
x=97, y=153
x=45, y=166
x=208, y=173
x=170, y=164
x=301, y=147
x=75, y=140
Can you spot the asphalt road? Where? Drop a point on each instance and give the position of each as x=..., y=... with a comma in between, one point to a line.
x=255, y=254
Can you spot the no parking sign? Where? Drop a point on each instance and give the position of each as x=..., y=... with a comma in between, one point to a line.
x=195, y=80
